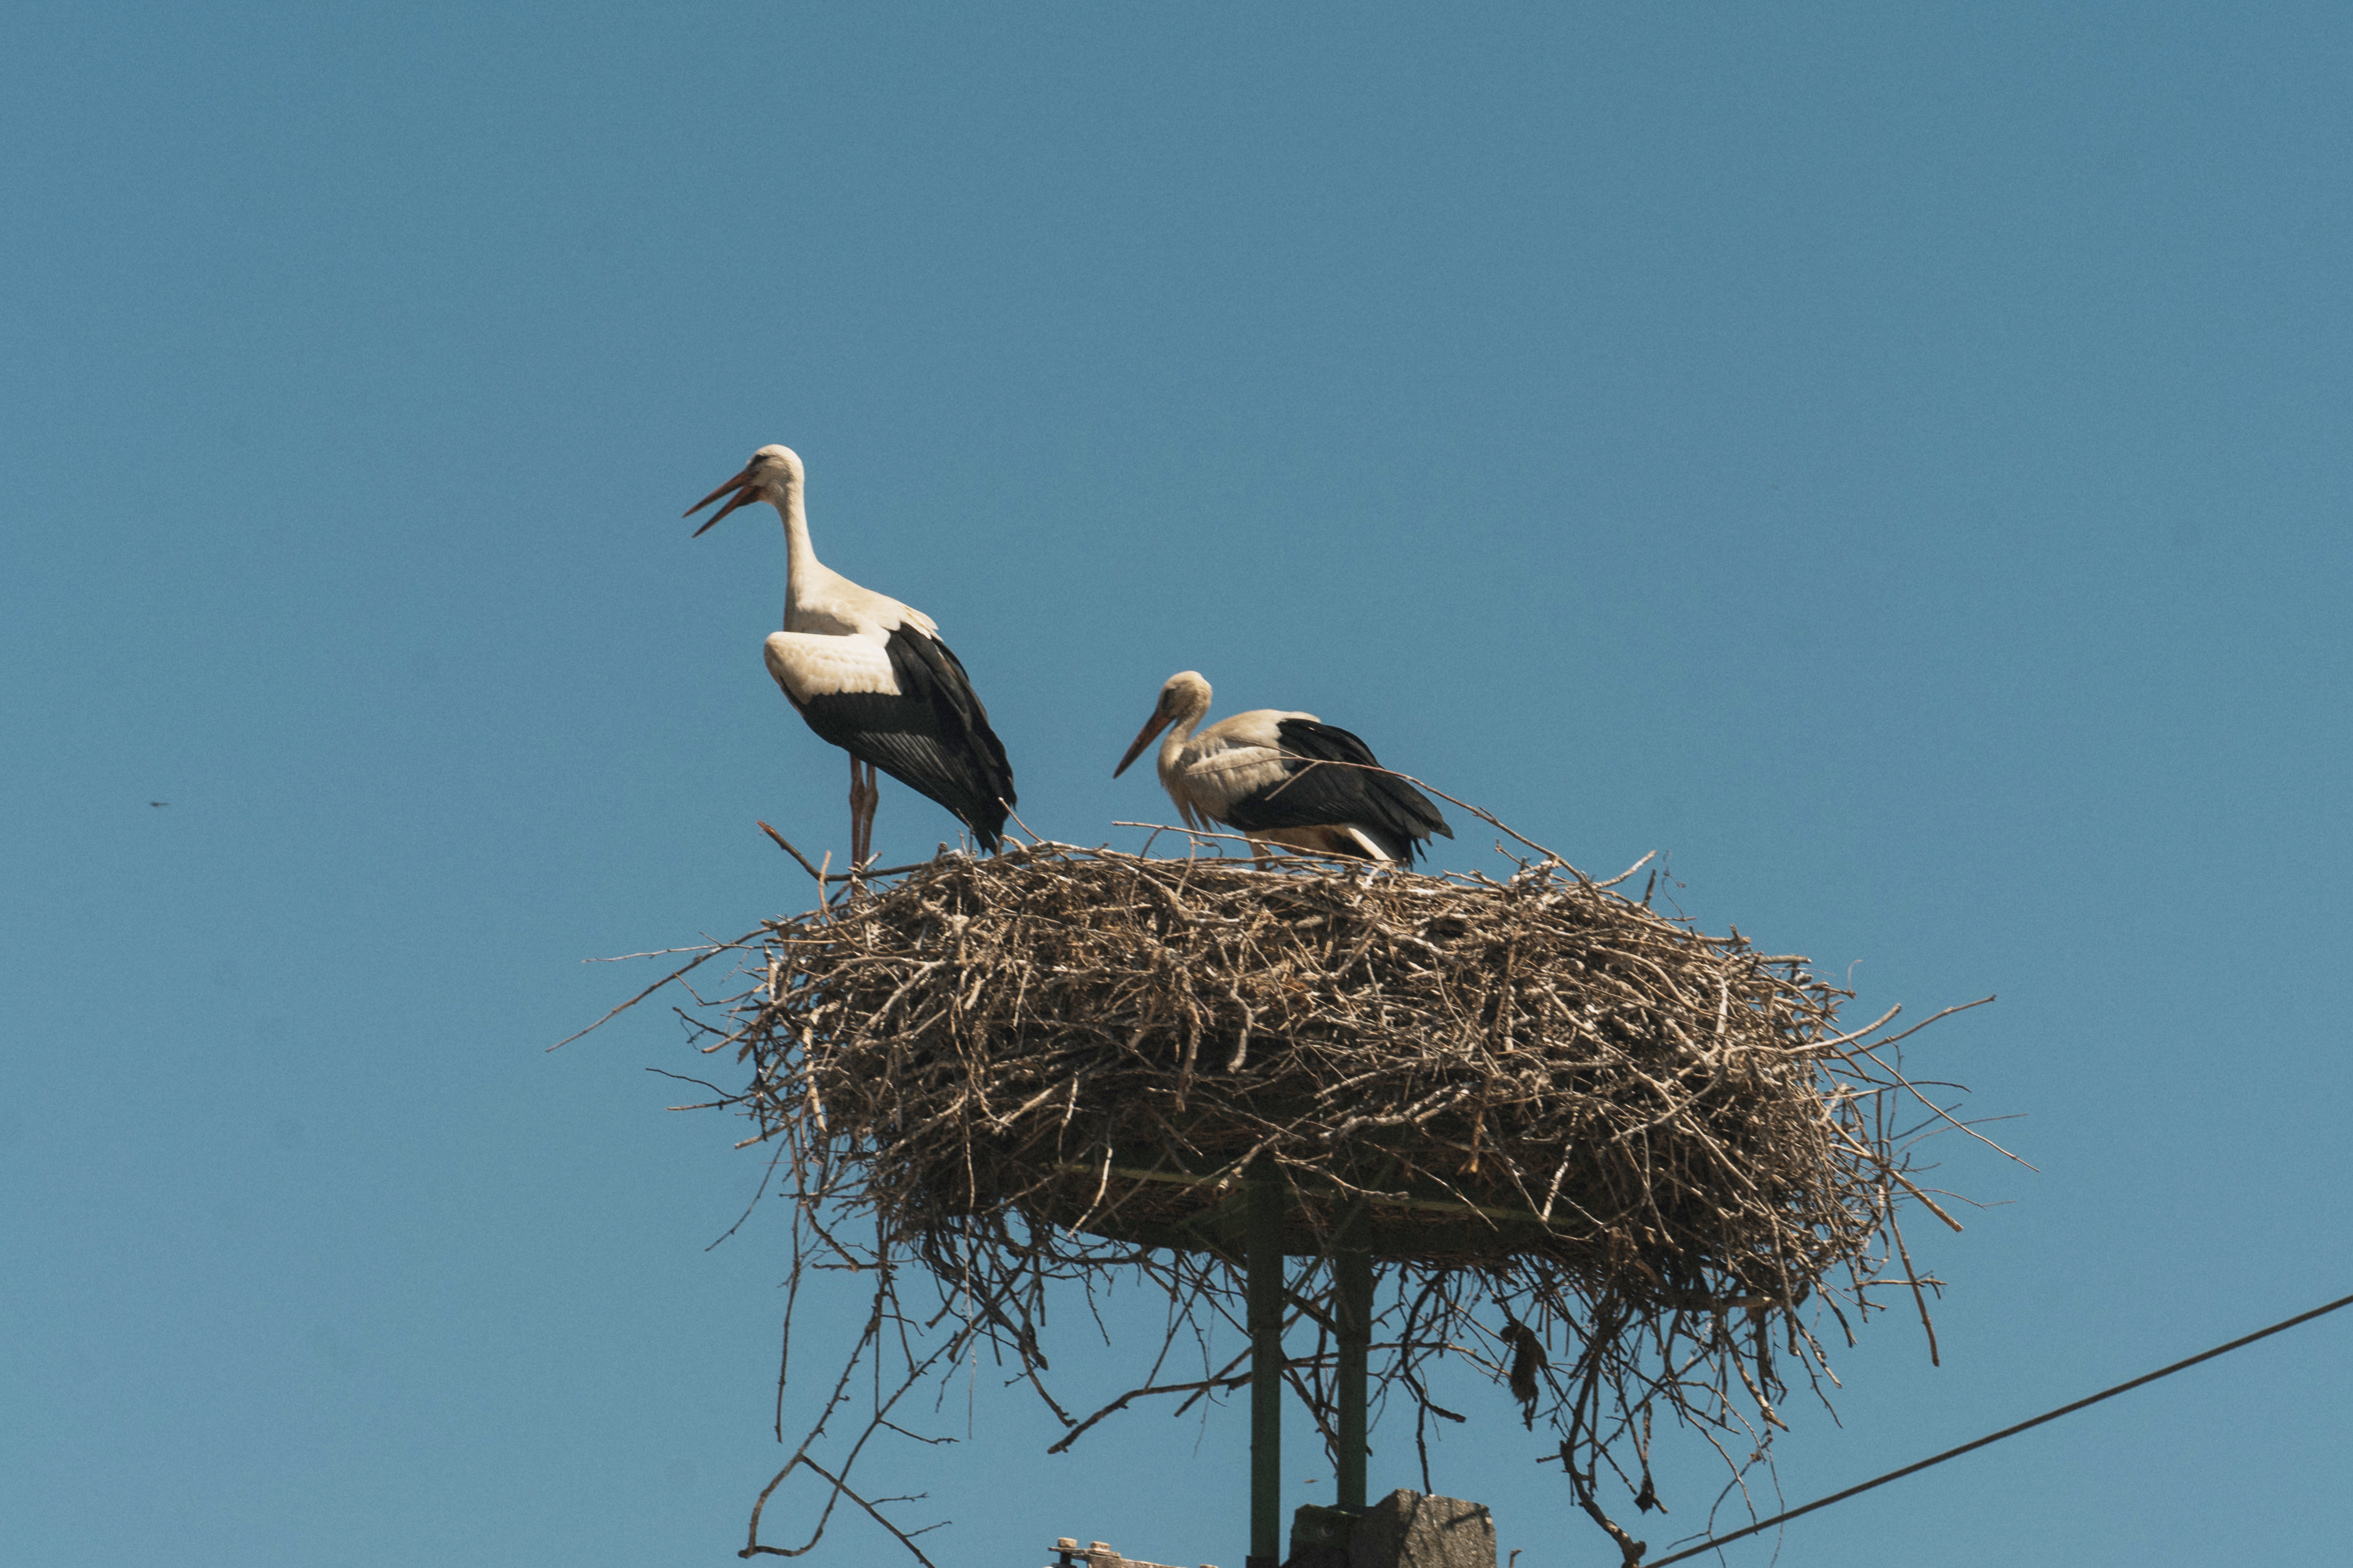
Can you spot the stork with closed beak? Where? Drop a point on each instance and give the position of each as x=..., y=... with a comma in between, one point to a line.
x=872, y=675
x=1283, y=778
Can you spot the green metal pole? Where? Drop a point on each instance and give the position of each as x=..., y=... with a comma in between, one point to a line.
x=1353, y=1272
x=1263, y=1287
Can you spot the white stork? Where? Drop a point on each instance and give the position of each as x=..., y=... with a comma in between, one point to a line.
x=872, y=675
x=1258, y=772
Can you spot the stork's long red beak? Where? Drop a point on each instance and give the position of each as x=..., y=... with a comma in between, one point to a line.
x=1153, y=726
x=739, y=484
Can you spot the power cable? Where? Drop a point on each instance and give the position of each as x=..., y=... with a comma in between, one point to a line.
x=1715, y=1542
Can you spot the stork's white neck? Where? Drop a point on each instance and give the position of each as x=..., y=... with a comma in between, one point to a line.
x=801, y=564
x=1196, y=707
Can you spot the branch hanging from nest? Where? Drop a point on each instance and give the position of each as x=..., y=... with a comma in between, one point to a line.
x=1605, y=1157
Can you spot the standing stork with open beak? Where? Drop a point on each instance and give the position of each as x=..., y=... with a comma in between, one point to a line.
x=1283, y=778
x=872, y=675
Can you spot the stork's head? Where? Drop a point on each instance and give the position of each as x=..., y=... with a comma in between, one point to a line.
x=1185, y=695
x=773, y=475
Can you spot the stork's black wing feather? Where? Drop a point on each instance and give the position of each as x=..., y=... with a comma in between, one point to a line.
x=933, y=736
x=1389, y=811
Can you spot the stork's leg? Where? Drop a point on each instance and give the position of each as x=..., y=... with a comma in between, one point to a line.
x=874, y=800
x=869, y=796
x=857, y=809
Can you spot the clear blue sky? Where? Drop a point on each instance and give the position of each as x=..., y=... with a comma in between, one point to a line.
x=1892, y=459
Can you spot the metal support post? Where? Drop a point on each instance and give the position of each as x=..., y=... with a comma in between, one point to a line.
x=1353, y=1273
x=1263, y=1289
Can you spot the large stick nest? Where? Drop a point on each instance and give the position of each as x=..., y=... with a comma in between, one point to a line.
x=1643, y=1144
x=1105, y=1043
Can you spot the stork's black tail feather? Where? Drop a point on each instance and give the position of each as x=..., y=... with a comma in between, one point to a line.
x=1385, y=808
